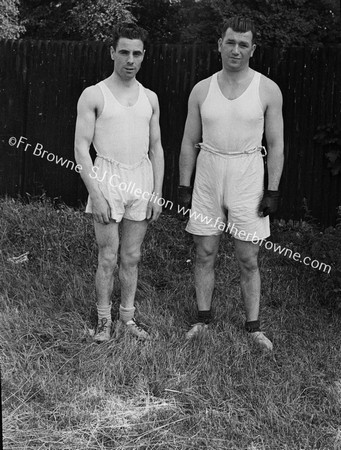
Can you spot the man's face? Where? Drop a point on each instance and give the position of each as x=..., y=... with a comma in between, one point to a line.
x=128, y=57
x=236, y=49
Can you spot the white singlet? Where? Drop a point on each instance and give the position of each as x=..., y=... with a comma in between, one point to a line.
x=233, y=125
x=122, y=132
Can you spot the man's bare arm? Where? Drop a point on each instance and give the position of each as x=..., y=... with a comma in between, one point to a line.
x=156, y=157
x=85, y=127
x=274, y=136
x=192, y=135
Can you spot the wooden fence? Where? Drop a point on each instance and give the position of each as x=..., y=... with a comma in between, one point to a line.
x=40, y=82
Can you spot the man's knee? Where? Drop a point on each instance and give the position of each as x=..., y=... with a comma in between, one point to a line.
x=248, y=264
x=205, y=253
x=107, y=258
x=130, y=257
x=248, y=259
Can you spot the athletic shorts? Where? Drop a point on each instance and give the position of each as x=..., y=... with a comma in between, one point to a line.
x=226, y=194
x=126, y=188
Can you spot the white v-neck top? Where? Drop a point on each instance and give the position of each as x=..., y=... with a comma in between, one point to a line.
x=122, y=132
x=233, y=125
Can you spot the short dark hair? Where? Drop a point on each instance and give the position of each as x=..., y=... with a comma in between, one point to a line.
x=240, y=25
x=128, y=30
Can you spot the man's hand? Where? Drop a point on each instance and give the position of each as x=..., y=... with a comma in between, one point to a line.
x=185, y=196
x=269, y=203
x=100, y=210
x=153, y=211
x=184, y=200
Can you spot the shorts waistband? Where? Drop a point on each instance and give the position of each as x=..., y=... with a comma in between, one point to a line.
x=119, y=164
x=213, y=150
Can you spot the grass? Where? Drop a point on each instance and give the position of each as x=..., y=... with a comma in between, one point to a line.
x=62, y=391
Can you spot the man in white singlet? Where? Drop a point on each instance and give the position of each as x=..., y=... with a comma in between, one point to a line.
x=121, y=118
x=227, y=116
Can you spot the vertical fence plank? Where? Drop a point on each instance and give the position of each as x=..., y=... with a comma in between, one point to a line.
x=13, y=91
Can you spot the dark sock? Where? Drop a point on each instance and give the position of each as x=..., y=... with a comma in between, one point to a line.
x=204, y=316
x=252, y=326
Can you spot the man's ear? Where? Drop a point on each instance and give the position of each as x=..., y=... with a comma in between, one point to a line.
x=112, y=52
x=220, y=41
x=253, y=49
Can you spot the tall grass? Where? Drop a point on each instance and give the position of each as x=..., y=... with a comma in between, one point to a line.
x=62, y=391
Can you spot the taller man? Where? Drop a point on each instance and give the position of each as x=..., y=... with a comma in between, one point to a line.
x=228, y=113
x=121, y=118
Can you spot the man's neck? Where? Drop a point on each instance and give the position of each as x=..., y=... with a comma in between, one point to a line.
x=235, y=76
x=120, y=82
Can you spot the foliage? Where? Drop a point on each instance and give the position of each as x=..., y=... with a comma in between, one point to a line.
x=327, y=246
x=161, y=18
x=94, y=19
x=201, y=22
x=72, y=19
x=323, y=247
x=48, y=20
x=302, y=22
x=10, y=27
x=287, y=23
x=329, y=137
x=281, y=23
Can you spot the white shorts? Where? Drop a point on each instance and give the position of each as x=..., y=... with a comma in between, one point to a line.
x=227, y=191
x=127, y=189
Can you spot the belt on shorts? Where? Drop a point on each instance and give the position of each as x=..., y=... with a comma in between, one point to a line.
x=124, y=166
x=210, y=149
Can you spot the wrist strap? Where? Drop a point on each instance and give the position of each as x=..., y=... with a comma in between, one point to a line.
x=272, y=194
x=185, y=188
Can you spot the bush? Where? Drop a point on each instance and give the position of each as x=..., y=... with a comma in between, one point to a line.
x=307, y=239
x=327, y=247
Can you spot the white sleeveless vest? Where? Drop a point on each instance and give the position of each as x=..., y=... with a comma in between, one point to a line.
x=122, y=132
x=232, y=125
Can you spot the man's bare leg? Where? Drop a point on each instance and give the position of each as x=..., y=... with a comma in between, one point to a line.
x=107, y=238
x=206, y=253
x=133, y=233
x=247, y=256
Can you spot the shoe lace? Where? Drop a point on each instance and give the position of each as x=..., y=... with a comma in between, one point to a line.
x=138, y=325
x=102, y=325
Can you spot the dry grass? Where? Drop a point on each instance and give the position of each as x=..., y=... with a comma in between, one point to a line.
x=62, y=391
